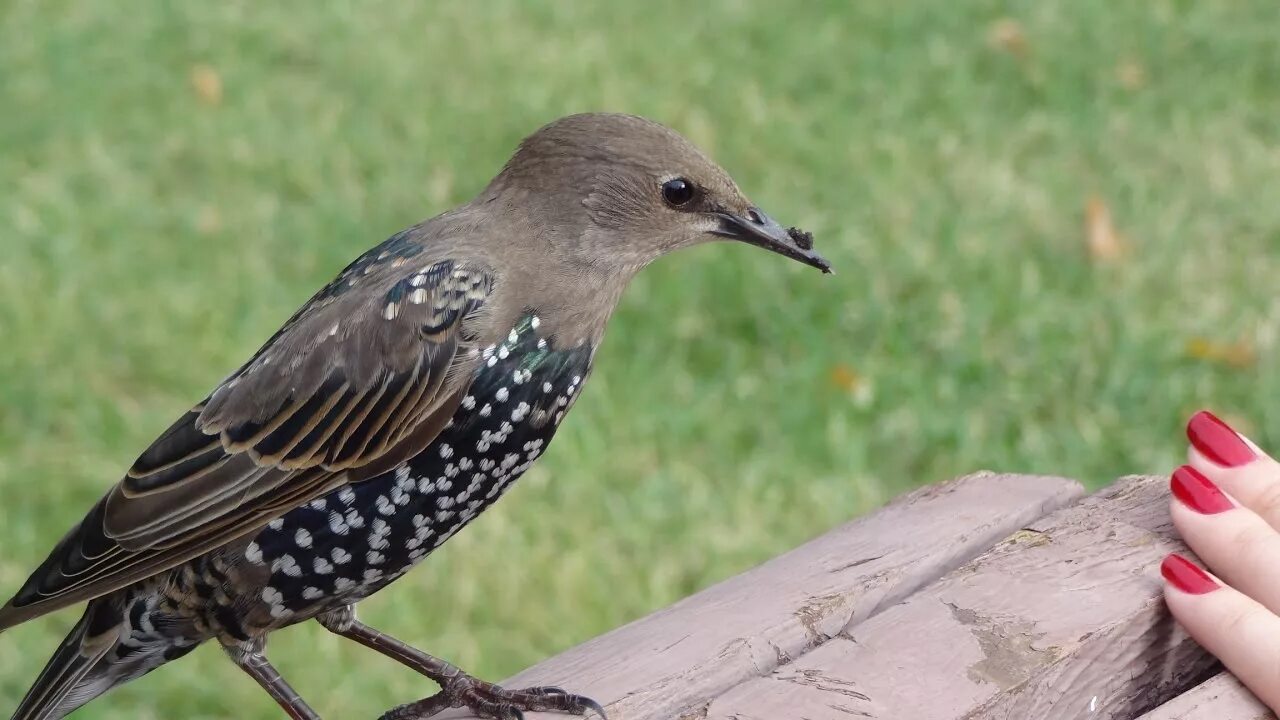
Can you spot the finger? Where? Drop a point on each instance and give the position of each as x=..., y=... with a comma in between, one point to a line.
x=1231, y=539
x=1227, y=623
x=1236, y=465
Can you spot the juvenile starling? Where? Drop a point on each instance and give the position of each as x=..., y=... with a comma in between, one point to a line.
x=403, y=399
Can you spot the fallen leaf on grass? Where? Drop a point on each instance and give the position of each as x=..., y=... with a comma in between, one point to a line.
x=207, y=84
x=1106, y=244
x=1007, y=35
x=208, y=220
x=860, y=388
x=1239, y=354
x=1131, y=75
x=845, y=378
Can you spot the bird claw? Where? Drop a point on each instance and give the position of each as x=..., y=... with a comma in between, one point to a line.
x=582, y=704
x=493, y=702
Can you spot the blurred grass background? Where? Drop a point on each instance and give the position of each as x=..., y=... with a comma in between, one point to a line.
x=1055, y=225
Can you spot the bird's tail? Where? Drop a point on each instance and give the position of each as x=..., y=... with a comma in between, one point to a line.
x=106, y=649
x=72, y=677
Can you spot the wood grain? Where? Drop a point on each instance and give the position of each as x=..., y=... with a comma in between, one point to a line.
x=1221, y=697
x=1064, y=620
x=672, y=663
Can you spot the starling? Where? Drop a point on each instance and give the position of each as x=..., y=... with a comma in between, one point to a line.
x=403, y=399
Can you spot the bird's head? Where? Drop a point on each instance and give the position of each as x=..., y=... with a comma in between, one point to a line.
x=630, y=190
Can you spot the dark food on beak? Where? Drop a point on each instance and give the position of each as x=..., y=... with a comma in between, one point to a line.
x=759, y=229
x=803, y=238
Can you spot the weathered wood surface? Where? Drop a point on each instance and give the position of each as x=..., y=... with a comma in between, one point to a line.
x=1221, y=697
x=1063, y=620
x=673, y=663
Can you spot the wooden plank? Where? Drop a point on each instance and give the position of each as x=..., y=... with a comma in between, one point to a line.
x=1064, y=620
x=674, y=661
x=1221, y=697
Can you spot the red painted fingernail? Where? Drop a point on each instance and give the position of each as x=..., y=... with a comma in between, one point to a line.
x=1186, y=576
x=1217, y=441
x=1198, y=492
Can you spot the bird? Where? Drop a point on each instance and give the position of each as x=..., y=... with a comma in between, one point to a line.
x=402, y=400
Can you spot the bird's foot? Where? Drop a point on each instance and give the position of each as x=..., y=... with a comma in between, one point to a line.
x=494, y=702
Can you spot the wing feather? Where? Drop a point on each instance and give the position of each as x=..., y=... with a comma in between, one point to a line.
x=303, y=453
x=351, y=383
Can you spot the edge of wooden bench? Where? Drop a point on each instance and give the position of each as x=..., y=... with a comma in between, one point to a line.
x=674, y=662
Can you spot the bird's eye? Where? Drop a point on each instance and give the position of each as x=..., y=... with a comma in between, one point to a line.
x=677, y=192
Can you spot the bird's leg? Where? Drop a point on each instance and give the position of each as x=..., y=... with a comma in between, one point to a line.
x=250, y=658
x=457, y=688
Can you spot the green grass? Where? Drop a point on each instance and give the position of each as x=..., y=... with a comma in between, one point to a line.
x=150, y=241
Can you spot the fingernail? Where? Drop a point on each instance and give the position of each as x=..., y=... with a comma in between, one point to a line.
x=1186, y=576
x=1217, y=441
x=1198, y=492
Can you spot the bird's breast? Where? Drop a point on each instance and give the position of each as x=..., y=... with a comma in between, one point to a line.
x=348, y=544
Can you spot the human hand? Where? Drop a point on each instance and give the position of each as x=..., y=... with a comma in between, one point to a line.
x=1226, y=505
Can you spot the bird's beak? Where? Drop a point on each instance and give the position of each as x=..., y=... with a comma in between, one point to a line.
x=757, y=228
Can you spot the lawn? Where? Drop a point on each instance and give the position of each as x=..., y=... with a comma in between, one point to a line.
x=176, y=179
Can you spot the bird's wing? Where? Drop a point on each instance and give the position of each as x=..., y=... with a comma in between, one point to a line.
x=341, y=391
